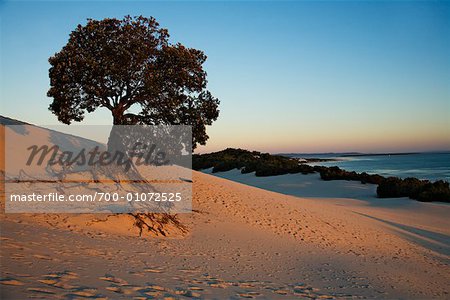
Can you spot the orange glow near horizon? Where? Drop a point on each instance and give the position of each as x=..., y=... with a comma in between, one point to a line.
x=351, y=140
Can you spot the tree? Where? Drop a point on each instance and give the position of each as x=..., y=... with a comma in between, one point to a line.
x=129, y=67
x=126, y=66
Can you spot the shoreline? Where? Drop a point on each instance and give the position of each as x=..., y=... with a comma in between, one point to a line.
x=266, y=165
x=312, y=186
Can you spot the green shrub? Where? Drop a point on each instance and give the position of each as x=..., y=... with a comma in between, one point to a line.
x=422, y=190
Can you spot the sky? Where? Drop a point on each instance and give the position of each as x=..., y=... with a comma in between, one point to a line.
x=292, y=76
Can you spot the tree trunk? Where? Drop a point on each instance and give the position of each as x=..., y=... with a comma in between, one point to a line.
x=116, y=140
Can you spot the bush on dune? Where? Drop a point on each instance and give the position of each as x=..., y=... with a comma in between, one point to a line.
x=263, y=164
x=422, y=190
x=335, y=173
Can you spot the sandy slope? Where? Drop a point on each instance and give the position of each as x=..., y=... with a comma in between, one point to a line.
x=424, y=223
x=242, y=242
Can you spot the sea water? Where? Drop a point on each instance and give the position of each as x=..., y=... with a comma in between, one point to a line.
x=432, y=166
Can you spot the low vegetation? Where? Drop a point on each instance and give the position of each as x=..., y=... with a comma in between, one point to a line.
x=335, y=173
x=422, y=190
x=265, y=164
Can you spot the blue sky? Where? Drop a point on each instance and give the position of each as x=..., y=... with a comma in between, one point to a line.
x=292, y=76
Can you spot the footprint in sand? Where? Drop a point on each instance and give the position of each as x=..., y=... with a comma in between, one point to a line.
x=281, y=292
x=41, y=291
x=115, y=289
x=17, y=256
x=187, y=293
x=188, y=270
x=10, y=281
x=85, y=292
x=157, y=287
x=45, y=257
x=150, y=291
x=249, y=295
x=126, y=290
x=60, y=280
x=64, y=285
x=153, y=270
x=65, y=275
x=246, y=284
x=48, y=281
x=111, y=278
x=197, y=281
x=195, y=288
x=216, y=282
x=140, y=274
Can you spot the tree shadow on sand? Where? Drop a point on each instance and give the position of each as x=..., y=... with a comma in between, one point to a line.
x=434, y=241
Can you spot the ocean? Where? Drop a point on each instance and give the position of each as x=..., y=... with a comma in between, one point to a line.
x=432, y=165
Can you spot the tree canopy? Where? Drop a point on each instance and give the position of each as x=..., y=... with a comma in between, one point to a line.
x=129, y=67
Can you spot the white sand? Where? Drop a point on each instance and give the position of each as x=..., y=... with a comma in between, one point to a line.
x=426, y=219
x=242, y=242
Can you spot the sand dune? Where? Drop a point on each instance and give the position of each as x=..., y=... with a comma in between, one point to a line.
x=240, y=242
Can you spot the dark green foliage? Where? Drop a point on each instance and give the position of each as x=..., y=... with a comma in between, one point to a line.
x=129, y=67
x=422, y=190
x=335, y=173
x=263, y=164
x=437, y=191
x=391, y=187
